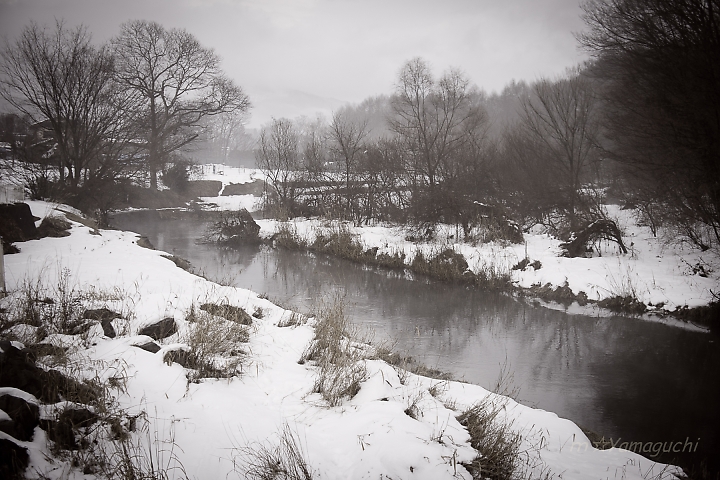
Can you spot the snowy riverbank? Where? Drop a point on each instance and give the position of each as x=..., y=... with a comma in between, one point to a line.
x=661, y=272
x=213, y=422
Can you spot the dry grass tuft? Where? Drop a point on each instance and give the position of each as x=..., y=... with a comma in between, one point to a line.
x=337, y=354
x=497, y=444
x=228, y=312
x=405, y=364
x=215, y=346
x=282, y=461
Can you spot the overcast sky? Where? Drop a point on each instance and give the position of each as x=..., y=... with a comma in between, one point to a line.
x=295, y=57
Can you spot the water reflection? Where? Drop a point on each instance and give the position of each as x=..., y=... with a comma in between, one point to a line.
x=627, y=378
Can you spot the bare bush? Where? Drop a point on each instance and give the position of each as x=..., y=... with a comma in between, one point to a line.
x=284, y=460
x=497, y=444
x=147, y=455
x=215, y=347
x=337, y=354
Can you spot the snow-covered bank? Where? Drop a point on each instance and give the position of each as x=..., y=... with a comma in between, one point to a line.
x=663, y=276
x=367, y=436
x=662, y=273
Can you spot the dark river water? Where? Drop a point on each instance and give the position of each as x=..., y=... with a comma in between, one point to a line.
x=625, y=378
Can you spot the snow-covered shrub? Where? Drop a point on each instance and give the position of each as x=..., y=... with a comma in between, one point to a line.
x=215, y=346
x=337, y=354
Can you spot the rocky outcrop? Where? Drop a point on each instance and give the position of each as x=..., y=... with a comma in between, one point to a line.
x=160, y=329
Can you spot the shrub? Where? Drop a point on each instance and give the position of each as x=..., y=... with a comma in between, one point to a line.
x=283, y=461
x=447, y=265
x=405, y=363
x=288, y=237
x=214, y=347
x=338, y=241
x=337, y=355
x=234, y=228
x=497, y=444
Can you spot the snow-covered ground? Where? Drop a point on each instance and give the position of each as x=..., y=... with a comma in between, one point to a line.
x=367, y=436
x=660, y=272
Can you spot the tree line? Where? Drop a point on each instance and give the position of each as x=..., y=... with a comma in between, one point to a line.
x=639, y=124
x=116, y=113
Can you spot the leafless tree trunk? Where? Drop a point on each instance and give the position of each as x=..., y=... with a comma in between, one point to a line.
x=278, y=155
x=347, y=146
x=437, y=120
x=560, y=116
x=61, y=78
x=180, y=82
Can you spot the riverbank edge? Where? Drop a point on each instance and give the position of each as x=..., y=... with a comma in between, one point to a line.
x=450, y=266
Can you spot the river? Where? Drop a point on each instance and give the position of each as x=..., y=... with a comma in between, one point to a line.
x=628, y=379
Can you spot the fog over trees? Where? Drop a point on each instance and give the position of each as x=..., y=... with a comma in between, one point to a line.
x=637, y=124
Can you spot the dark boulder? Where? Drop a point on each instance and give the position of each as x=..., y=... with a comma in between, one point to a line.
x=54, y=227
x=100, y=314
x=18, y=370
x=181, y=357
x=17, y=223
x=105, y=317
x=44, y=349
x=228, y=312
x=149, y=346
x=62, y=431
x=159, y=330
x=24, y=415
x=13, y=460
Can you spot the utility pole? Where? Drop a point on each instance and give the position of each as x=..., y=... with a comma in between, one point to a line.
x=2, y=269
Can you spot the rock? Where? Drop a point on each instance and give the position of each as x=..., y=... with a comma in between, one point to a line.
x=108, y=329
x=181, y=357
x=8, y=248
x=228, y=312
x=57, y=385
x=17, y=223
x=13, y=460
x=18, y=370
x=80, y=328
x=145, y=243
x=44, y=349
x=105, y=317
x=159, y=330
x=150, y=346
x=24, y=415
x=71, y=419
x=54, y=227
x=100, y=314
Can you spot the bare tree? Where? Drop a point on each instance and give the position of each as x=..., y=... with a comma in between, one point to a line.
x=60, y=78
x=278, y=155
x=180, y=82
x=660, y=65
x=437, y=120
x=225, y=131
x=347, y=146
x=560, y=116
